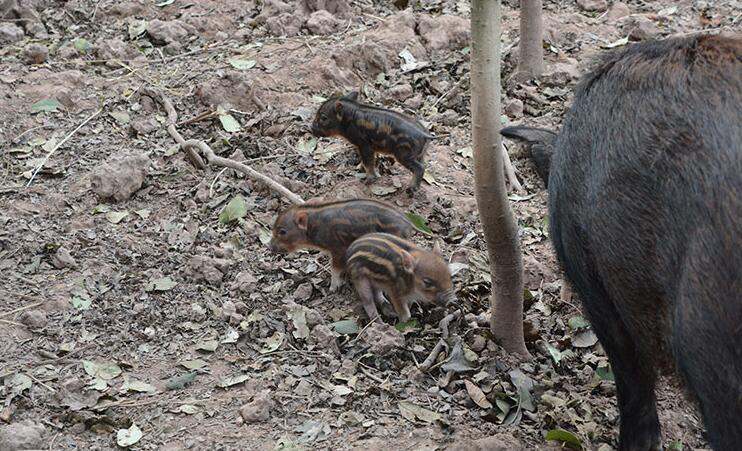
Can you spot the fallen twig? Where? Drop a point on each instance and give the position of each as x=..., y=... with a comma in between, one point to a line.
x=59, y=144
x=192, y=144
x=510, y=171
x=245, y=169
x=430, y=360
x=20, y=309
x=172, y=118
x=211, y=187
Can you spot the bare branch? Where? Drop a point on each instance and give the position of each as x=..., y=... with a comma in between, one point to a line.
x=191, y=145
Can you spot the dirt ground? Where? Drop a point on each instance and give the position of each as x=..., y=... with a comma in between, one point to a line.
x=131, y=315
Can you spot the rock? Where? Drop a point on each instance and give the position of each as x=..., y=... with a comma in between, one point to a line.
x=444, y=32
x=145, y=125
x=303, y=292
x=287, y=24
x=115, y=49
x=34, y=319
x=618, y=10
x=382, y=338
x=22, y=9
x=323, y=337
x=412, y=373
x=642, y=29
x=164, y=32
x=414, y=102
x=478, y=343
x=312, y=316
x=124, y=9
x=401, y=92
x=498, y=442
x=235, y=319
x=119, y=178
x=271, y=8
x=449, y=118
x=208, y=269
x=259, y=409
x=245, y=282
x=514, y=108
x=63, y=259
x=592, y=5
x=322, y=22
x=335, y=7
x=35, y=54
x=561, y=73
x=21, y=436
x=10, y=33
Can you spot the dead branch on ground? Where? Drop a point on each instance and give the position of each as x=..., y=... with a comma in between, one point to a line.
x=191, y=145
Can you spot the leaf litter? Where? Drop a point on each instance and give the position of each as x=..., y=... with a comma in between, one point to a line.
x=148, y=327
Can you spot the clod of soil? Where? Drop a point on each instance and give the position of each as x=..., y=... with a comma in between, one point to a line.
x=167, y=32
x=207, y=269
x=499, y=442
x=34, y=319
x=21, y=436
x=618, y=10
x=383, y=338
x=592, y=5
x=10, y=33
x=119, y=178
x=35, y=54
x=63, y=259
x=259, y=409
x=444, y=32
x=322, y=22
x=642, y=28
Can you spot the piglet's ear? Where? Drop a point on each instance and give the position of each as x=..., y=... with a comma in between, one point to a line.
x=352, y=96
x=338, y=106
x=302, y=219
x=408, y=261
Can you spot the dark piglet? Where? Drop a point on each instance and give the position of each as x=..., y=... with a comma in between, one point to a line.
x=332, y=226
x=381, y=263
x=645, y=201
x=375, y=130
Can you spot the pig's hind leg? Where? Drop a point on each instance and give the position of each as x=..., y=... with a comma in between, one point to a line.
x=366, y=291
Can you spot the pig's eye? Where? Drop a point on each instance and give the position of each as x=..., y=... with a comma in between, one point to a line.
x=428, y=282
x=323, y=117
x=282, y=232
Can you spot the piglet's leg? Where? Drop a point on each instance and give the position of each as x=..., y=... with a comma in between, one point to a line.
x=336, y=275
x=368, y=158
x=418, y=171
x=401, y=306
x=366, y=292
x=379, y=296
x=387, y=309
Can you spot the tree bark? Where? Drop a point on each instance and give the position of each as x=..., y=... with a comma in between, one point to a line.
x=531, y=47
x=498, y=221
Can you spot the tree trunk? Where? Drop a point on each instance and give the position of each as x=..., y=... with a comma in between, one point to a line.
x=531, y=47
x=498, y=222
